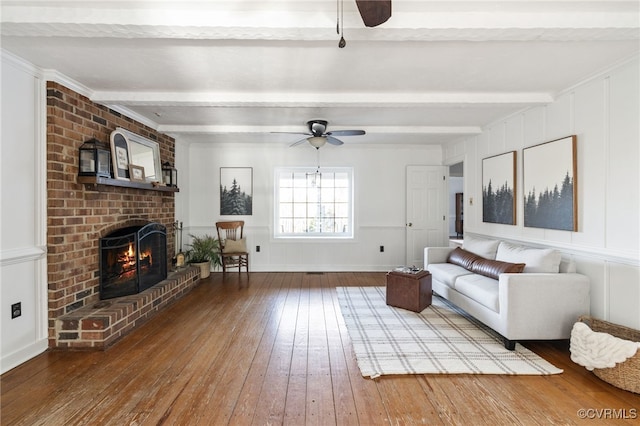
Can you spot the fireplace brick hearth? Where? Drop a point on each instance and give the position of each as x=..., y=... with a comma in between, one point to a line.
x=100, y=325
x=79, y=214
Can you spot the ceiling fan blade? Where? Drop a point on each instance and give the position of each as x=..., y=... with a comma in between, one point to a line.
x=374, y=12
x=294, y=133
x=346, y=133
x=298, y=142
x=334, y=141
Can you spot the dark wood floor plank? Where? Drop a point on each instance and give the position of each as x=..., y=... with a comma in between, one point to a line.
x=274, y=349
x=295, y=402
x=320, y=404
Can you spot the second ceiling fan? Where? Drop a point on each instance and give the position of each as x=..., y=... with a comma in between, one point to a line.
x=318, y=135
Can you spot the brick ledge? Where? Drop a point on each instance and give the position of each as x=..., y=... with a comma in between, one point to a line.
x=102, y=324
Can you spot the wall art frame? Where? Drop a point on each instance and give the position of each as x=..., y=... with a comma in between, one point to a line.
x=550, y=185
x=236, y=191
x=136, y=173
x=499, y=188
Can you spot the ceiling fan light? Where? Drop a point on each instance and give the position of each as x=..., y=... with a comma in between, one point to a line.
x=317, y=141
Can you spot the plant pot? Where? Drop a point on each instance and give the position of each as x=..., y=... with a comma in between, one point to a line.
x=205, y=268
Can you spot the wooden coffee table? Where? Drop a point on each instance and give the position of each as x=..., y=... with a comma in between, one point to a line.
x=408, y=290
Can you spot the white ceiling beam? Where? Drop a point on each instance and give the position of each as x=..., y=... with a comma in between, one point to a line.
x=262, y=99
x=316, y=20
x=371, y=130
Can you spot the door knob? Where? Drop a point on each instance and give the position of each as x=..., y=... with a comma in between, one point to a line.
x=409, y=224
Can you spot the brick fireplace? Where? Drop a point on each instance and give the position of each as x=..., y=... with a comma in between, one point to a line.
x=79, y=214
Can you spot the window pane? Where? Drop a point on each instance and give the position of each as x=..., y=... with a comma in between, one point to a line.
x=328, y=209
x=300, y=194
x=312, y=210
x=286, y=195
x=342, y=209
x=327, y=194
x=300, y=180
x=327, y=179
x=286, y=210
x=342, y=180
x=300, y=210
x=342, y=195
x=286, y=180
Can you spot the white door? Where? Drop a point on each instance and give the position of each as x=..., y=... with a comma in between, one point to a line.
x=426, y=211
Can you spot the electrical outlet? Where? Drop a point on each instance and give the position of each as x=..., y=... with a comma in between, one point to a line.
x=257, y=249
x=381, y=249
x=16, y=310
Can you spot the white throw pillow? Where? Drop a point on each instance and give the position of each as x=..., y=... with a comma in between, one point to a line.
x=481, y=247
x=235, y=246
x=535, y=260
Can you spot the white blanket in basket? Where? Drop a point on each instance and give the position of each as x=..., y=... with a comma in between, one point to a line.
x=593, y=349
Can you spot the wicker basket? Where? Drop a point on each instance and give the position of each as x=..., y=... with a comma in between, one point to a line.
x=625, y=375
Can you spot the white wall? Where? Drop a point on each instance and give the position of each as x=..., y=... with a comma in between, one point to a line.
x=23, y=214
x=604, y=114
x=379, y=186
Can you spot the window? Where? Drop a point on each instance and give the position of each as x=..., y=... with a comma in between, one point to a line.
x=312, y=203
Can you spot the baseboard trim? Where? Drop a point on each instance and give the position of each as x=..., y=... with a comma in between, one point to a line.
x=23, y=355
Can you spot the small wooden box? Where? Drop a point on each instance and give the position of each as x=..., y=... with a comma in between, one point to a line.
x=409, y=291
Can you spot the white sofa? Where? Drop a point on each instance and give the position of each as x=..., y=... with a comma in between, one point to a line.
x=540, y=303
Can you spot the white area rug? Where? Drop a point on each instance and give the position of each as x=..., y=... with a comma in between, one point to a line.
x=442, y=339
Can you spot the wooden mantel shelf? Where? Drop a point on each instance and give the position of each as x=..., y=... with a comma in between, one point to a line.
x=97, y=180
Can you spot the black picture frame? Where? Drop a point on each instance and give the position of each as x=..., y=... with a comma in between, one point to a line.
x=236, y=191
x=499, y=189
x=550, y=176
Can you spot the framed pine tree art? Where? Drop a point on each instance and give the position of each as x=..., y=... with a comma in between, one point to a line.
x=236, y=191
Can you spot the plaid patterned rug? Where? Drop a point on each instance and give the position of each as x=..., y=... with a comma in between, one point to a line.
x=442, y=339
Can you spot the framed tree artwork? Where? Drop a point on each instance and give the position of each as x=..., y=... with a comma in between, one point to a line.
x=550, y=185
x=499, y=189
x=236, y=191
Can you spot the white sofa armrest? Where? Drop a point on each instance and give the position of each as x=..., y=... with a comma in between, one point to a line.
x=541, y=305
x=436, y=255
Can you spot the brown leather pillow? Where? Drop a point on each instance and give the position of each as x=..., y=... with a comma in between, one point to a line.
x=493, y=268
x=462, y=258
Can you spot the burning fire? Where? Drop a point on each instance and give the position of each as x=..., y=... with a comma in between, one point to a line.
x=127, y=259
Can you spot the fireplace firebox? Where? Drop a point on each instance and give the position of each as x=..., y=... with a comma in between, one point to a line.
x=132, y=259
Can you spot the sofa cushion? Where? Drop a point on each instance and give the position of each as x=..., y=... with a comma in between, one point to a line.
x=483, y=290
x=446, y=273
x=493, y=268
x=481, y=247
x=536, y=260
x=462, y=257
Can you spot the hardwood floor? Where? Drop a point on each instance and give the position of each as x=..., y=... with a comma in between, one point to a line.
x=274, y=350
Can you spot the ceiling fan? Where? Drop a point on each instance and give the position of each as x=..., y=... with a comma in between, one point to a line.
x=318, y=135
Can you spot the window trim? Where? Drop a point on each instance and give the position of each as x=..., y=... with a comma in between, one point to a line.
x=313, y=236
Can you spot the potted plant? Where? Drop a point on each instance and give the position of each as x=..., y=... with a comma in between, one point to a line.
x=204, y=251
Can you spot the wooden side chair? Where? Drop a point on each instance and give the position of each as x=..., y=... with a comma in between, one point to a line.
x=233, y=246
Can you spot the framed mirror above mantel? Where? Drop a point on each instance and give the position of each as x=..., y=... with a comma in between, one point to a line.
x=132, y=153
x=129, y=148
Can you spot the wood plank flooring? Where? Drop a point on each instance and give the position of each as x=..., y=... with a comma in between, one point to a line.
x=273, y=349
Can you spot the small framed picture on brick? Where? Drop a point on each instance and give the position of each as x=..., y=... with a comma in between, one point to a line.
x=136, y=173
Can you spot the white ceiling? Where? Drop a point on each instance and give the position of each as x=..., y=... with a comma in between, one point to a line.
x=235, y=71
